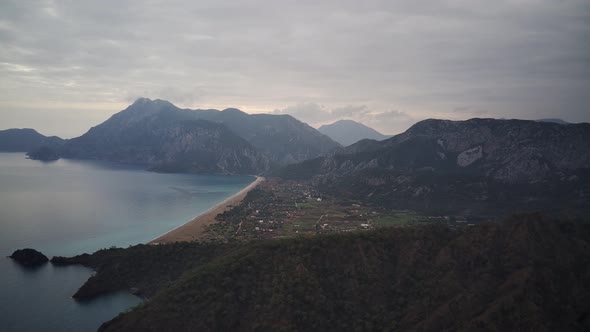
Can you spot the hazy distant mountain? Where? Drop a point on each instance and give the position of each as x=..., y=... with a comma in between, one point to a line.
x=558, y=121
x=167, y=138
x=24, y=140
x=464, y=166
x=347, y=132
x=282, y=138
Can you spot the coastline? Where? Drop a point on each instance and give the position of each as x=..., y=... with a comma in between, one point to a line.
x=195, y=228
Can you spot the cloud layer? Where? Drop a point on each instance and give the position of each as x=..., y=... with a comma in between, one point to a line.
x=75, y=62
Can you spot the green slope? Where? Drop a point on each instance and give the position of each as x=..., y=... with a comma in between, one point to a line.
x=526, y=273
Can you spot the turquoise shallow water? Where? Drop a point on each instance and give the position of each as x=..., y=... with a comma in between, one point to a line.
x=69, y=207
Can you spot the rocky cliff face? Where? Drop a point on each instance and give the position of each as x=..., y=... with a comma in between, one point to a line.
x=473, y=165
x=509, y=150
x=202, y=147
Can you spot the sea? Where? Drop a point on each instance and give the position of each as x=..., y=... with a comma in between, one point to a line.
x=69, y=207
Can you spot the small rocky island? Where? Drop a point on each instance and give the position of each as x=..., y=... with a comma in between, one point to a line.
x=29, y=257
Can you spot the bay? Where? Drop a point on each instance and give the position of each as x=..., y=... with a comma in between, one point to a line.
x=68, y=207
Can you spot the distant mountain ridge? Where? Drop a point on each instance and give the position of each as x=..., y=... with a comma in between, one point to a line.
x=468, y=166
x=347, y=132
x=25, y=140
x=282, y=138
x=164, y=137
x=554, y=120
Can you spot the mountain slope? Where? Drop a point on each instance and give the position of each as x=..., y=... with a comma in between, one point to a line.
x=464, y=167
x=282, y=138
x=24, y=140
x=347, y=132
x=132, y=136
x=157, y=134
x=527, y=274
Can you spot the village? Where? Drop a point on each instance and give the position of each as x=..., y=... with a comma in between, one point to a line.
x=279, y=208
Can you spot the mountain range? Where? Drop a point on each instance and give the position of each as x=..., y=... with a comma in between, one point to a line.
x=164, y=137
x=347, y=132
x=476, y=166
x=473, y=166
x=525, y=273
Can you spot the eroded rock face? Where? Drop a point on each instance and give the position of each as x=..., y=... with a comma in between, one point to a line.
x=29, y=257
x=510, y=151
x=469, y=156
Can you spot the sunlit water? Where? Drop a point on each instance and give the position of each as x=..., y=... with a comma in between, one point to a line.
x=69, y=207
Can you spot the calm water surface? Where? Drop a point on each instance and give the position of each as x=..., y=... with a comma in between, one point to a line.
x=69, y=207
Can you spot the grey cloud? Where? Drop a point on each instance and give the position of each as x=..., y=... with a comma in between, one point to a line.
x=389, y=122
x=350, y=111
x=310, y=113
x=525, y=59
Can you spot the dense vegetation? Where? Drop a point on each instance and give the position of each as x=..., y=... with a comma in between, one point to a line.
x=146, y=268
x=526, y=273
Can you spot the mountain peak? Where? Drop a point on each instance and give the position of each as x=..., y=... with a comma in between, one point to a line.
x=344, y=121
x=142, y=101
x=347, y=132
x=232, y=110
x=145, y=106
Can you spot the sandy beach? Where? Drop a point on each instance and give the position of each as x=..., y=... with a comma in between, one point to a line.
x=195, y=228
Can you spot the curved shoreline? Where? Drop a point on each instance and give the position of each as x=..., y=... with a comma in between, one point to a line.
x=194, y=229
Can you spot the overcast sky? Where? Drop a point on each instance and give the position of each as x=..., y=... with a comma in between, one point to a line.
x=69, y=65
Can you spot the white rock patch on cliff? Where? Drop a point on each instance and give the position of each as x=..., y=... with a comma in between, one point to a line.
x=469, y=156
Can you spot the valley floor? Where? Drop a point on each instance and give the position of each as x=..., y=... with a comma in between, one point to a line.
x=280, y=208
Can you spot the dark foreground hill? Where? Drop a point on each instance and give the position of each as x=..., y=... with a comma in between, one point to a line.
x=525, y=274
x=464, y=167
